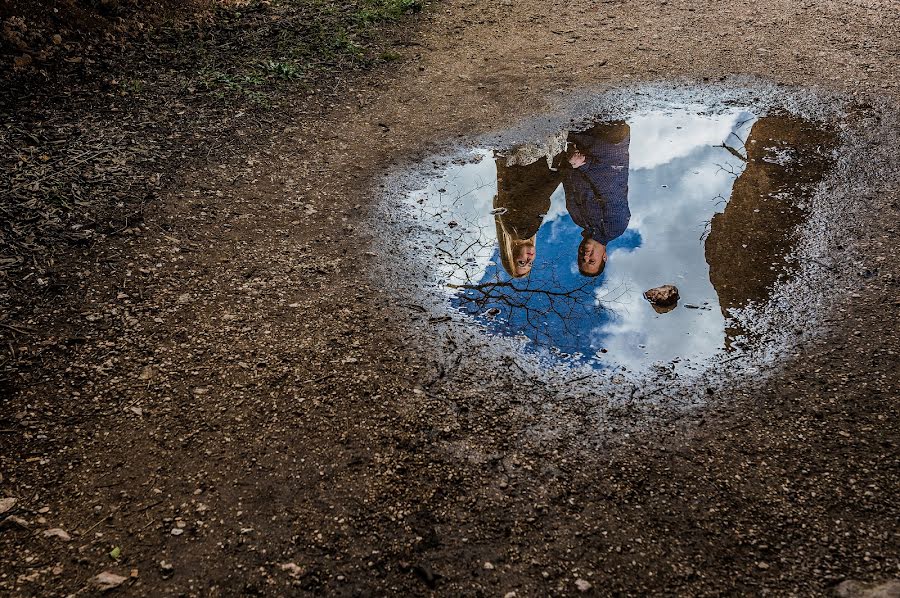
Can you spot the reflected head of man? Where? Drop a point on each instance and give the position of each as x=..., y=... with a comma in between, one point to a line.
x=591, y=257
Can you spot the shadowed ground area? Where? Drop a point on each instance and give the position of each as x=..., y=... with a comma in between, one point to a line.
x=206, y=391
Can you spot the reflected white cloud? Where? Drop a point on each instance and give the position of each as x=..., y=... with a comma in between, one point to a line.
x=673, y=192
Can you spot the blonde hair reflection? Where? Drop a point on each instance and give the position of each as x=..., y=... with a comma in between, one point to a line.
x=516, y=255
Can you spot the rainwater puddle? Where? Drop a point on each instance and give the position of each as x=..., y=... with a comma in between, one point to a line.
x=708, y=200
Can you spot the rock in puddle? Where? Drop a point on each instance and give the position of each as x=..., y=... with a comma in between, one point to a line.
x=662, y=296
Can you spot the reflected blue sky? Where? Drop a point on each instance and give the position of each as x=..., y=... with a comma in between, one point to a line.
x=679, y=177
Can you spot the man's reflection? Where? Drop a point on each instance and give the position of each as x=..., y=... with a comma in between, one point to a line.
x=594, y=174
x=596, y=189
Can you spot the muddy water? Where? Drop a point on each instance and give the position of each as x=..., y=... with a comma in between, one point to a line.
x=555, y=242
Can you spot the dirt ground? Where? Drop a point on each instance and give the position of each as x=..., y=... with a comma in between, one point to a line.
x=224, y=397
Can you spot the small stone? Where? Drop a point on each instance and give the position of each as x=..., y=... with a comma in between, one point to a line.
x=855, y=589
x=166, y=569
x=57, y=39
x=184, y=298
x=108, y=581
x=177, y=531
x=13, y=520
x=57, y=533
x=292, y=569
x=147, y=373
x=662, y=296
x=583, y=585
x=489, y=565
x=6, y=504
x=762, y=565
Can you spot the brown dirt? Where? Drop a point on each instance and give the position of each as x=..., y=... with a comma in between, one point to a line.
x=227, y=367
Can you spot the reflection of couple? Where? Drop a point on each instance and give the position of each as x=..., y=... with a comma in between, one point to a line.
x=594, y=175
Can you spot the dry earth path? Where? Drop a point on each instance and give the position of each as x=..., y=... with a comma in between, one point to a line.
x=229, y=397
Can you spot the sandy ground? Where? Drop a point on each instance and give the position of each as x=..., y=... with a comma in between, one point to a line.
x=229, y=396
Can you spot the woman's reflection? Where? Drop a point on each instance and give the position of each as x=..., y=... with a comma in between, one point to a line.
x=522, y=200
x=596, y=189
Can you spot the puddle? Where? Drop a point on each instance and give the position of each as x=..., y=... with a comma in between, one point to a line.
x=709, y=199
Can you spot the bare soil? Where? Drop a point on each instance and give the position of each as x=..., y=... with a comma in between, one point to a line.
x=222, y=391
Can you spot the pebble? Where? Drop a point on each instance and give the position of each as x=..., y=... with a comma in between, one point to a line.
x=583, y=585
x=13, y=520
x=292, y=569
x=107, y=581
x=57, y=533
x=177, y=531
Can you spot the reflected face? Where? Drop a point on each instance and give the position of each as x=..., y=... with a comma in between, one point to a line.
x=591, y=257
x=523, y=258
